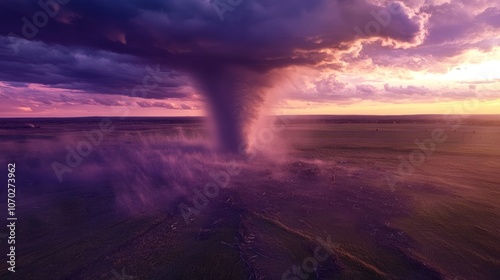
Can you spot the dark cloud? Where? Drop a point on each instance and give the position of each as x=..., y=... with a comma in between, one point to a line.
x=104, y=46
x=262, y=34
x=90, y=71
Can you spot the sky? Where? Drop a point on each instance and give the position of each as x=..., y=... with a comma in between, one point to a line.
x=241, y=58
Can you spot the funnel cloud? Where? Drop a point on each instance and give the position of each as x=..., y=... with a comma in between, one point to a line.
x=228, y=62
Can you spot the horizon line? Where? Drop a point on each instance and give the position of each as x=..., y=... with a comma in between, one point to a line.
x=204, y=116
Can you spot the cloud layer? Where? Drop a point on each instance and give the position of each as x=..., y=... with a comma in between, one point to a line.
x=318, y=50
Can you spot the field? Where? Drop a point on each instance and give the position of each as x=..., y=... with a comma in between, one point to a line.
x=322, y=198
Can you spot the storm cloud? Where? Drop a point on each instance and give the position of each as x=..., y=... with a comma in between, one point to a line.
x=104, y=46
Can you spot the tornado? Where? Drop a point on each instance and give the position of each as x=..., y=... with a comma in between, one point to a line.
x=230, y=61
x=234, y=95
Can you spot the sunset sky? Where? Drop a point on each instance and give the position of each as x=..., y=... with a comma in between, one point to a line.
x=90, y=57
